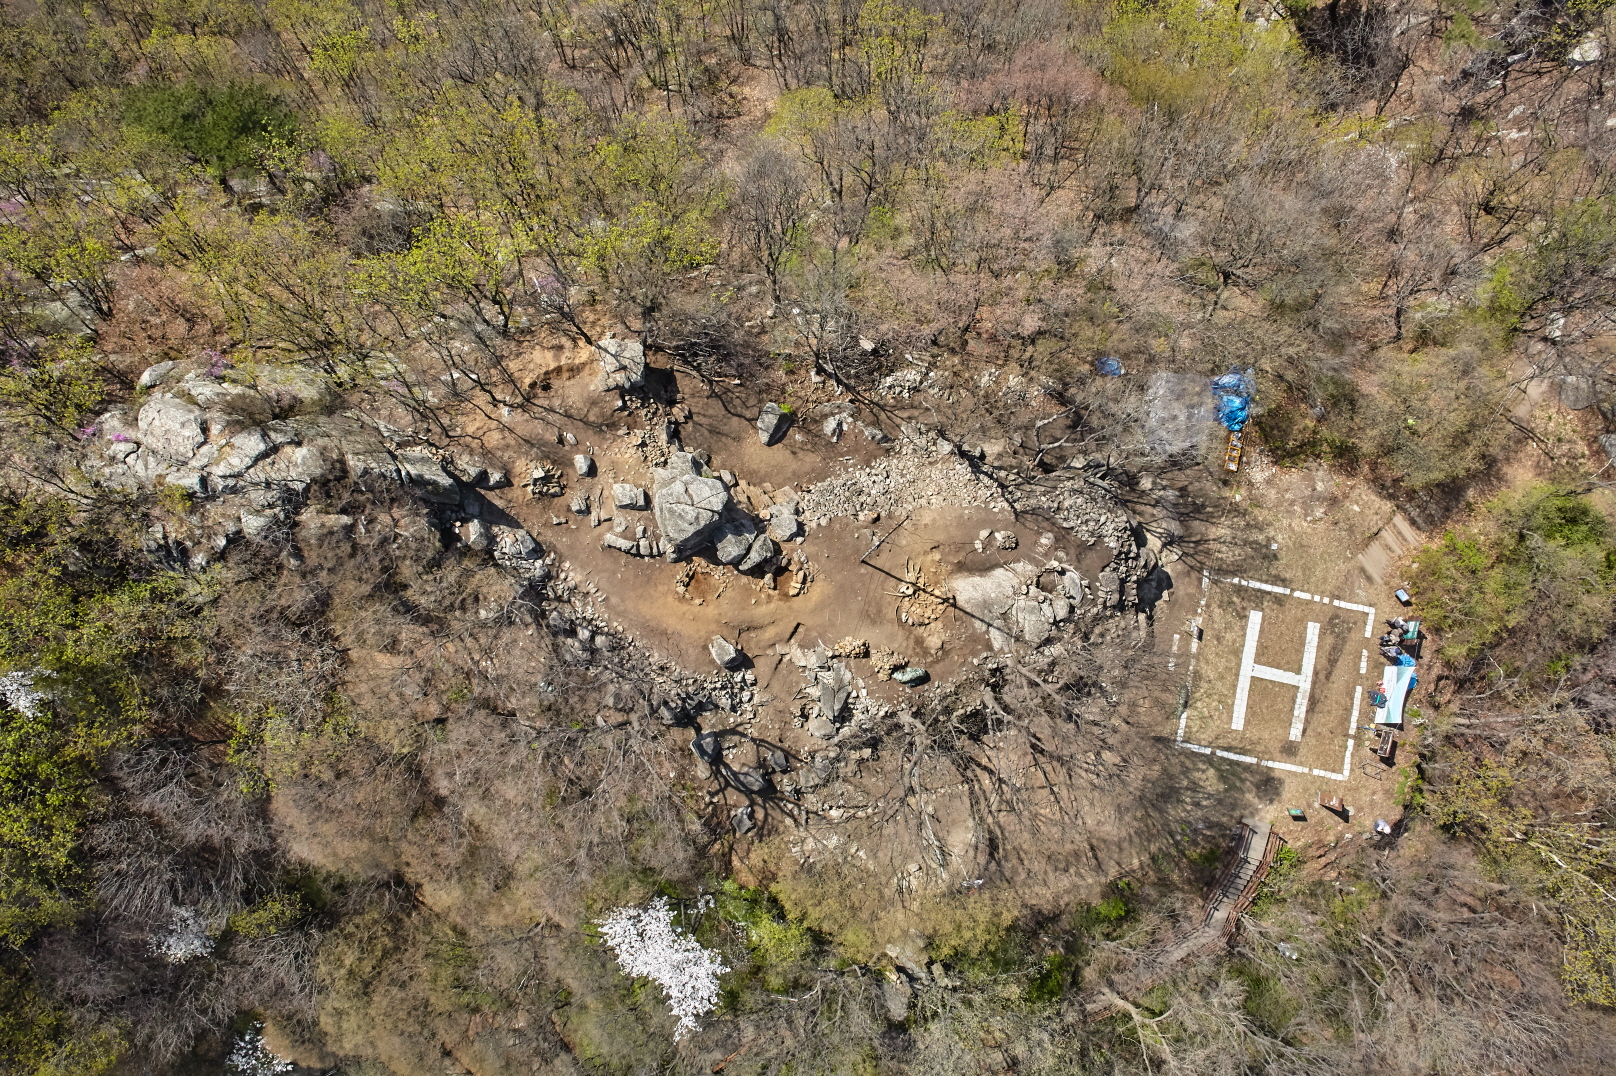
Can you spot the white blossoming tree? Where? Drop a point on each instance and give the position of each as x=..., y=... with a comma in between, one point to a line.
x=251, y=1057
x=649, y=946
x=21, y=691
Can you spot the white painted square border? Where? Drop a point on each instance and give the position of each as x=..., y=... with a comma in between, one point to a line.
x=1357, y=698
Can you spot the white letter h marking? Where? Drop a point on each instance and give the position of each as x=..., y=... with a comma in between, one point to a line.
x=1301, y=681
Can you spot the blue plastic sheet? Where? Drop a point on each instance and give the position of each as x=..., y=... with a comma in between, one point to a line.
x=1406, y=661
x=1234, y=391
x=1109, y=366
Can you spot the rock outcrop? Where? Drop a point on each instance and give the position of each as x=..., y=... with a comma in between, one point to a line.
x=689, y=507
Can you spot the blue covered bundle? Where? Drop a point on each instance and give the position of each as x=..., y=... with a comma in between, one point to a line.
x=1109, y=366
x=1234, y=391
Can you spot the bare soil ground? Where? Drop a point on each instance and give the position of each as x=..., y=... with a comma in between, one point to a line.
x=1308, y=529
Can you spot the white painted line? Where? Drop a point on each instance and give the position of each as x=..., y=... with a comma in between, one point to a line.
x=1206, y=579
x=1302, y=594
x=1363, y=662
x=1357, y=701
x=1278, y=676
x=1172, y=662
x=1304, y=680
x=1197, y=748
x=1271, y=588
x=1234, y=757
x=1346, y=763
x=1248, y=657
x=1183, y=719
x=1331, y=776
x=1285, y=766
x=1353, y=606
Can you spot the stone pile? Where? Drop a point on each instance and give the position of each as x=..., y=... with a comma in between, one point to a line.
x=922, y=470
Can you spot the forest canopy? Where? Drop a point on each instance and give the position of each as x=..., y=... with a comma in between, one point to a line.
x=318, y=776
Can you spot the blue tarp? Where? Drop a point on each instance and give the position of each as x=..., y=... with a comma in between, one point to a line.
x=1109, y=366
x=1234, y=391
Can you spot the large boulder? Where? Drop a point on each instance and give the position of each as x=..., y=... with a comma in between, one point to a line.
x=428, y=478
x=688, y=506
x=622, y=364
x=171, y=428
x=772, y=423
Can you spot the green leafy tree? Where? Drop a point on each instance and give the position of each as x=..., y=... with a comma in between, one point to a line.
x=222, y=127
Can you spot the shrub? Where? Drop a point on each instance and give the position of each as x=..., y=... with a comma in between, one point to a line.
x=223, y=127
x=1531, y=579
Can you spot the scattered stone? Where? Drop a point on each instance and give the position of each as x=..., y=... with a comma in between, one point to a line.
x=624, y=545
x=734, y=541
x=1588, y=51
x=256, y=525
x=773, y=423
x=580, y=503
x=1577, y=393
x=154, y=374
x=778, y=762
x=627, y=495
x=725, y=653
x=821, y=727
x=835, y=688
x=707, y=747
x=1005, y=539
x=748, y=779
x=515, y=544
x=910, y=954
x=875, y=434
x=479, y=535
x=584, y=465
x=896, y=997
x=743, y=820
x=911, y=676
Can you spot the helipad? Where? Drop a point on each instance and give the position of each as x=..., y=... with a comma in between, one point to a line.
x=1277, y=677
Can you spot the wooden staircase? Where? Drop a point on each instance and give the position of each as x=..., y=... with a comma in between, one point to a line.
x=1231, y=894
